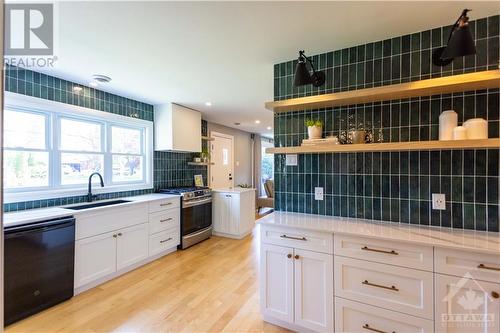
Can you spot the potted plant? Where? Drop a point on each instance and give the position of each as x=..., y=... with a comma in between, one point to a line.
x=314, y=128
x=205, y=155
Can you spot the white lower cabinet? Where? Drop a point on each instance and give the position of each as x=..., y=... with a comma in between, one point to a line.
x=132, y=245
x=95, y=257
x=297, y=287
x=465, y=305
x=354, y=317
x=233, y=213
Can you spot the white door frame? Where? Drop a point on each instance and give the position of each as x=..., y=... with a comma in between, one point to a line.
x=226, y=136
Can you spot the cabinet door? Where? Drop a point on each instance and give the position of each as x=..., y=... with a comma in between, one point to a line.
x=95, y=257
x=314, y=290
x=466, y=305
x=276, y=282
x=234, y=219
x=132, y=245
x=222, y=212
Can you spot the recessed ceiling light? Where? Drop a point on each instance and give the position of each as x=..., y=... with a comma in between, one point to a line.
x=269, y=128
x=257, y=121
x=93, y=83
x=77, y=89
x=208, y=103
x=237, y=124
x=101, y=78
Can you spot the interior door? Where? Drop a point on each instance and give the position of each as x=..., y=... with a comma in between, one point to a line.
x=222, y=175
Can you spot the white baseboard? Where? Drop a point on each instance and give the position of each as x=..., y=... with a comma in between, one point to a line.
x=223, y=234
x=116, y=274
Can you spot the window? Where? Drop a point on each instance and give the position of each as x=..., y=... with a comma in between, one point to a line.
x=50, y=154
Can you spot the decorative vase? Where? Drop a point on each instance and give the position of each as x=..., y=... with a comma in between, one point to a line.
x=315, y=132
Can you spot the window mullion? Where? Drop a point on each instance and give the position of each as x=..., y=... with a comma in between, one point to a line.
x=108, y=162
x=54, y=155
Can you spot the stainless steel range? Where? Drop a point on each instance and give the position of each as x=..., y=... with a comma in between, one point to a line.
x=196, y=214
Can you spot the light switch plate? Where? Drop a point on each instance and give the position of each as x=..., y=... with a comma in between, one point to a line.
x=291, y=159
x=438, y=201
x=318, y=193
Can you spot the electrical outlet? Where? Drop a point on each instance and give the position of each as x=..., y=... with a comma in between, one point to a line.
x=291, y=159
x=438, y=201
x=318, y=193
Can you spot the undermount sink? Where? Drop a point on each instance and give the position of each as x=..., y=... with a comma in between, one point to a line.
x=98, y=204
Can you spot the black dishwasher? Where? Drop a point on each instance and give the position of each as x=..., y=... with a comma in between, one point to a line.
x=38, y=266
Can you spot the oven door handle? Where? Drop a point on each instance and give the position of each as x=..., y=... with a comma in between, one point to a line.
x=192, y=203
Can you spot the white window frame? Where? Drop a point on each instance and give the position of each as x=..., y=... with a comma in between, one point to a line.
x=57, y=110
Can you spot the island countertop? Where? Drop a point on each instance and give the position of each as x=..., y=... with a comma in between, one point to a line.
x=459, y=239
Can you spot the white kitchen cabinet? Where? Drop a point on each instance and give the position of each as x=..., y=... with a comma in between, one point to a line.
x=95, y=257
x=313, y=273
x=276, y=292
x=132, y=245
x=465, y=305
x=233, y=212
x=177, y=128
x=297, y=287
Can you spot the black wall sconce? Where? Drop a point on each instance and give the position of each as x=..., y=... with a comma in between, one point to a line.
x=460, y=42
x=302, y=76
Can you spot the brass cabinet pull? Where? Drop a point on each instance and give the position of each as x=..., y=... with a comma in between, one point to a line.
x=367, y=327
x=119, y=234
x=296, y=238
x=165, y=240
x=297, y=256
x=165, y=220
x=289, y=255
x=483, y=266
x=366, y=248
x=165, y=204
x=393, y=288
x=114, y=236
x=494, y=294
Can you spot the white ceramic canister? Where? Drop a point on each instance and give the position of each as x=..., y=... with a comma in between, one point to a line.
x=460, y=133
x=477, y=128
x=448, y=120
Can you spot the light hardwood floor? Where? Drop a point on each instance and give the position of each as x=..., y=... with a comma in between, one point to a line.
x=211, y=287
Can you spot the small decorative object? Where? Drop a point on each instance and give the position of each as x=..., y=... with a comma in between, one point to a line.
x=380, y=135
x=329, y=140
x=198, y=181
x=197, y=160
x=460, y=133
x=448, y=120
x=357, y=137
x=245, y=185
x=314, y=129
x=205, y=155
x=477, y=128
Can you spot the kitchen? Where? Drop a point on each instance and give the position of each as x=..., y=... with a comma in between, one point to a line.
x=139, y=209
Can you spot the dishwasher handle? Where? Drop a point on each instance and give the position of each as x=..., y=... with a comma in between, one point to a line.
x=42, y=225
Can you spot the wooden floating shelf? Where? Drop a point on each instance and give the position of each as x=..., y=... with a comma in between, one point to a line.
x=389, y=146
x=206, y=138
x=443, y=85
x=200, y=163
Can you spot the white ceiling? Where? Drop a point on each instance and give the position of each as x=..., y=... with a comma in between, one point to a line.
x=223, y=52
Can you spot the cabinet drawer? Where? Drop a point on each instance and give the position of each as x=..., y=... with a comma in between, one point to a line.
x=385, y=252
x=164, y=240
x=306, y=240
x=159, y=205
x=356, y=317
x=395, y=288
x=163, y=220
x=481, y=266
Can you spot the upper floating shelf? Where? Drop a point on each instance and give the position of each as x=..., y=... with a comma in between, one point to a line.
x=443, y=85
x=389, y=146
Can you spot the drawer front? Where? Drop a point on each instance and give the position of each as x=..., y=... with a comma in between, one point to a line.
x=159, y=205
x=306, y=240
x=164, y=220
x=385, y=252
x=484, y=267
x=394, y=288
x=357, y=317
x=164, y=240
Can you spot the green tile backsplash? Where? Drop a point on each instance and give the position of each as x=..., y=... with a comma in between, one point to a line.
x=170, y=168
x=394, y=186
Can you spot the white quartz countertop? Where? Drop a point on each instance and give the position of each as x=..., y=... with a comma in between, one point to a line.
x=478, y=241
x=233, y=190
x=35, y=215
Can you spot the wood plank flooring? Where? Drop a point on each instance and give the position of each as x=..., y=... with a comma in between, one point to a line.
x=211, y=287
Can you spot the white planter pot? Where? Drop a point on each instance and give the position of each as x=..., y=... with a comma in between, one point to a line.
x=315, y=132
